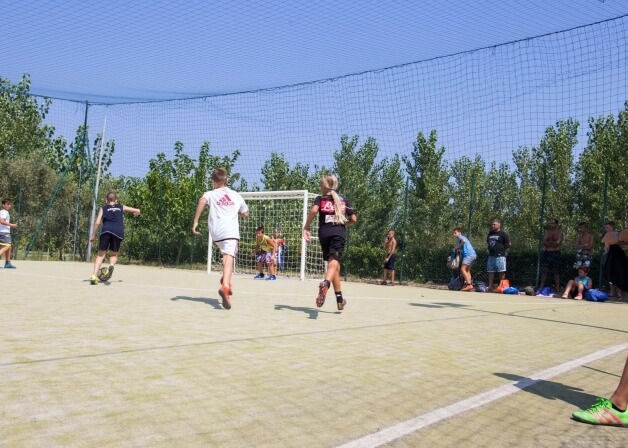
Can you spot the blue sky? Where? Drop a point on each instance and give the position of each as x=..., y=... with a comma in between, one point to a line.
x=487, y=102
x=141, y=49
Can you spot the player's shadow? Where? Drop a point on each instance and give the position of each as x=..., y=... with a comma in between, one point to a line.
x=105, y=283
x=213, y=302
x=311, y=312
x=551, y=390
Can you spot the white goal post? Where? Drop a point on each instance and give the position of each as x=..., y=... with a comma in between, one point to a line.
x=287, y=212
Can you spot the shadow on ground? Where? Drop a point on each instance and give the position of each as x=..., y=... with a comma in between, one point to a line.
x=213, y=302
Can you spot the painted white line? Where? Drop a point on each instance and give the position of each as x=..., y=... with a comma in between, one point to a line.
x=402, y=429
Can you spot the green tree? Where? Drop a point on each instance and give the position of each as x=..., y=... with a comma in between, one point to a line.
x=374, y=187
x=604, y=155
x=172, y=189
x=277, y=175
x=548, y=167
x=22, y=128
x=428, y=178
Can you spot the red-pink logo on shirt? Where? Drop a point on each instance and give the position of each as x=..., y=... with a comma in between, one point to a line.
x=225, y=201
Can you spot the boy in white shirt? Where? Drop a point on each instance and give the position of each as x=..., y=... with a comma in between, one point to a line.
x=5, y=232
x=225, y=205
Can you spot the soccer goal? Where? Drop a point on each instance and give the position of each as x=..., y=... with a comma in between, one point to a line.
x=287, y=212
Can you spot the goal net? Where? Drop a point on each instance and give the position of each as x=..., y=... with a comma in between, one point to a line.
x=285, y=211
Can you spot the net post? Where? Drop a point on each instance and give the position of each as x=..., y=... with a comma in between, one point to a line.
x=303, y=242
x=210, y=242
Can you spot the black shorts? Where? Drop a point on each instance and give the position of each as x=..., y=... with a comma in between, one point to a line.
x=108, y=241
x=390, y=264
x=333, y=244
x=550, y=260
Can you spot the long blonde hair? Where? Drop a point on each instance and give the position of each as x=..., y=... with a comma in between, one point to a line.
x=329, y=184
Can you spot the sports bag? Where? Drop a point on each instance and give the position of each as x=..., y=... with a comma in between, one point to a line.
x=453, y=260
x=595, y=295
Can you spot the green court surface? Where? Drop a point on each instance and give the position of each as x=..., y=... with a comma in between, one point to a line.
x=152, y=360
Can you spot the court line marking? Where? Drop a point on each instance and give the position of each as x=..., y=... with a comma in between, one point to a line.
x=413, y=425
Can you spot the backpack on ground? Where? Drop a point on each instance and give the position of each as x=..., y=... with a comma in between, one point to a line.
x=456, y=283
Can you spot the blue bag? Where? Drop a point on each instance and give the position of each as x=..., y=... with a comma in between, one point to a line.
x=511, y=290
x=595, y=295
x=480, y=286
x=545, y=292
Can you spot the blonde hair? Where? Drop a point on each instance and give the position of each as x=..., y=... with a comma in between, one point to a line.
x=329, y=183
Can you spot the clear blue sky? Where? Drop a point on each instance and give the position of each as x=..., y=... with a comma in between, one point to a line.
x=155, y=49
x=487, y=102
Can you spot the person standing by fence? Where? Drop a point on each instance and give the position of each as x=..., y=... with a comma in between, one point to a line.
x=498, y=241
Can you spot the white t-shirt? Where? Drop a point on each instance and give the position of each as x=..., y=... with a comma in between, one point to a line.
x=4, y=214
x=224, y=206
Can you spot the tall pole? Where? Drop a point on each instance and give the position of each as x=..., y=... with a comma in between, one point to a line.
x=84, y=153
x=95, y=198
x=541, y=222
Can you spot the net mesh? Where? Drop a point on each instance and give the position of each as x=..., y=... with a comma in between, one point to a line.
x=481, y=107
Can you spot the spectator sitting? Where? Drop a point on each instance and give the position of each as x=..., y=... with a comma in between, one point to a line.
x=579, y=285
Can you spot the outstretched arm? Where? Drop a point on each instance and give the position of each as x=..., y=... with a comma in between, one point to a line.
x=135, y=211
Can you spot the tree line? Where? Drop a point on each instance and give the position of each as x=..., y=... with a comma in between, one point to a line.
x=421, y=193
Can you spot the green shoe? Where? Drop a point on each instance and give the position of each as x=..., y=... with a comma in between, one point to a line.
x=602, y=413
x=93, y=280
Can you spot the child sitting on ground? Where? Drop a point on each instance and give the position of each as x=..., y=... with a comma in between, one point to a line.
x=579, y=285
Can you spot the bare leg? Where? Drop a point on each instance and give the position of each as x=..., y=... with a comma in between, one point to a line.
x=466, y=273
x=570, y=285
x=392, y=277
x=491, y=276
x=557, y=280
x=385, y=276
x=113, y=258
x=5, y=249
x=543, y=278
x=227, y=269
x=98, y=261
x=333, y=274
x=580, y=288
x=620, y=396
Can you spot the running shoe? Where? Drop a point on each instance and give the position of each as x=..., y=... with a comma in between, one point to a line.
x=93, y=280
x=271, y=277
x=230, y=287
x=602, y=413
x=341, y=304
x=225, y=292
x=9, y=266
x=322, y=293
x=259, y=276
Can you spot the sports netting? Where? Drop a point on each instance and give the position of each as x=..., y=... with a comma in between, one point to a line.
x=481, y=107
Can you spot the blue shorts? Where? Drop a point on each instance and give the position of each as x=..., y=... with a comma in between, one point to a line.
x=469, y=259
x=496, y=264
x=5, y=239
x=390, y=264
